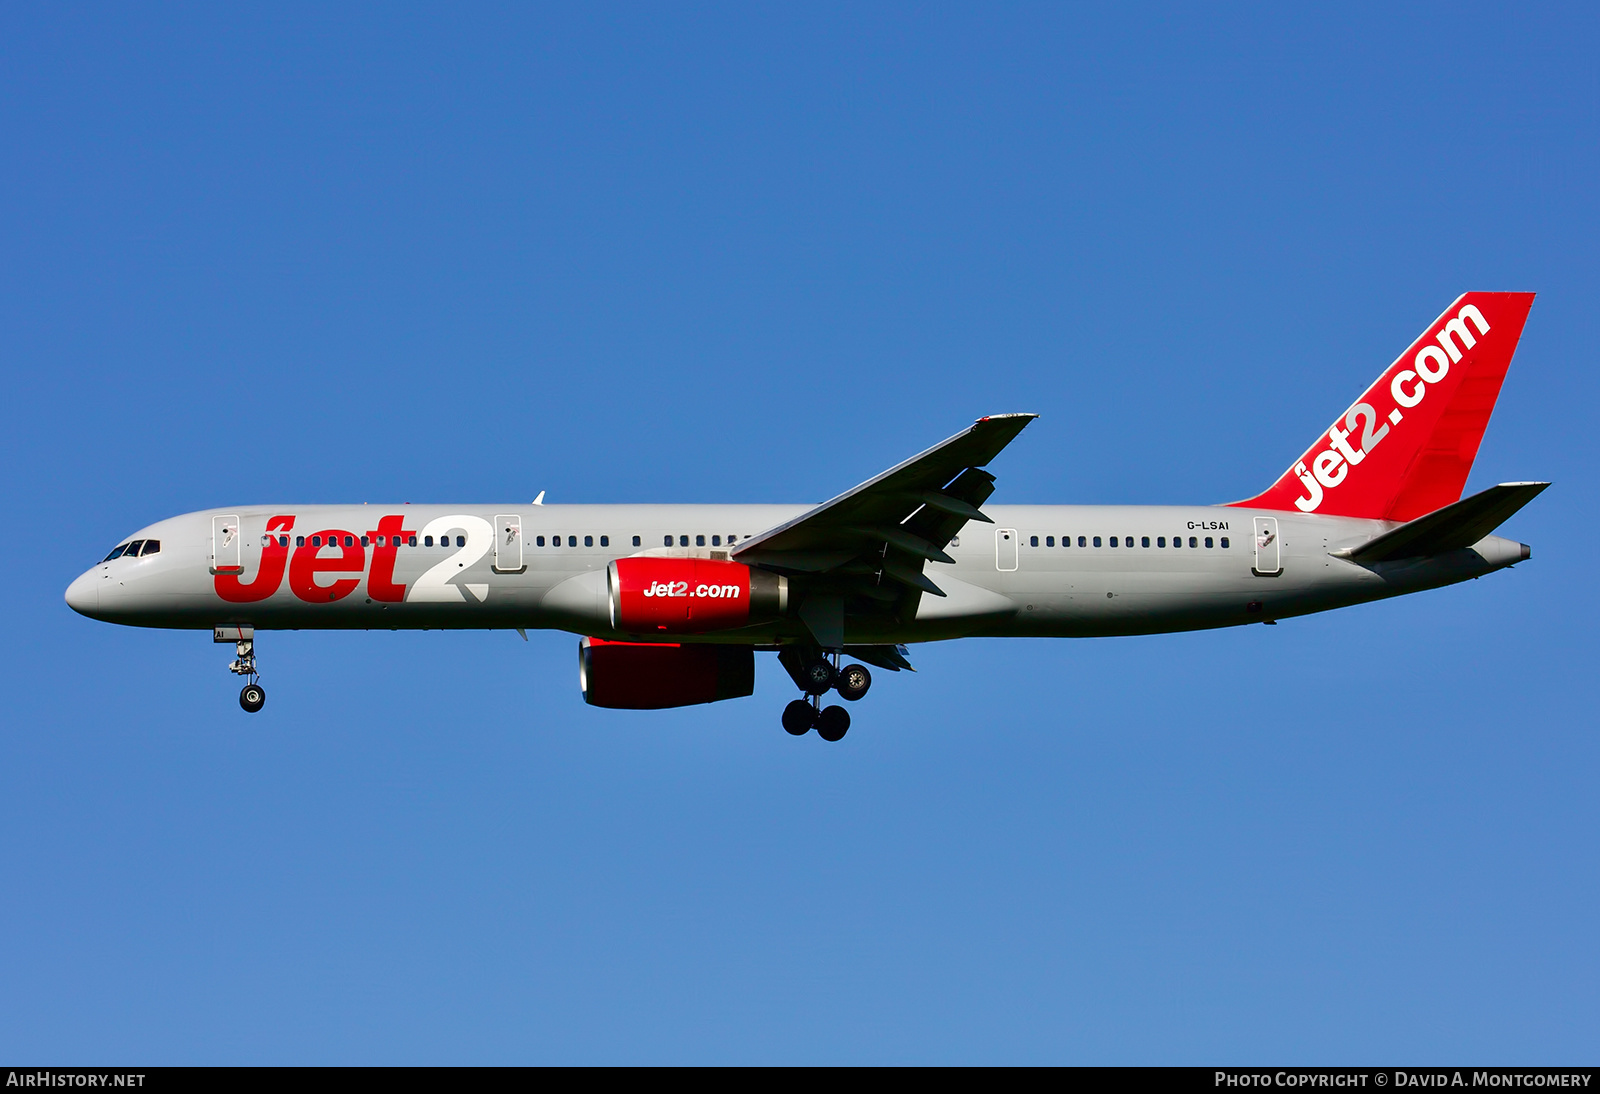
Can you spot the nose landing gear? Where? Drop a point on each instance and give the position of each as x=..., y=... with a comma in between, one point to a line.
x=252, y=697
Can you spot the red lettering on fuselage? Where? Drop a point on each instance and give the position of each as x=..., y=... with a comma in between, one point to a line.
x=269, y=575
x=387, y=536
x=308, y=562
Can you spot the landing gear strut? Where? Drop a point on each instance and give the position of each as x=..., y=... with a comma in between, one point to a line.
x=816, y=676
x=252, y=697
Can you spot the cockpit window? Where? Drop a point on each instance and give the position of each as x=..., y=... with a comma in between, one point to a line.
x=115, y=554
x=133, y=549
x=151, y=546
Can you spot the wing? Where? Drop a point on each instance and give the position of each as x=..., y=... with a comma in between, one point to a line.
x=863, y=552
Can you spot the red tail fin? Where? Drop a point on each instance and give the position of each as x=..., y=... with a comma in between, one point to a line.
x=1404, y=449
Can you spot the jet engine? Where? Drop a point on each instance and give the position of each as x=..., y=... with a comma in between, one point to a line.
x=652, y=676
x=691, y=595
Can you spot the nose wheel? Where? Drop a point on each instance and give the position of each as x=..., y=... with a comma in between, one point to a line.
x=252, y=697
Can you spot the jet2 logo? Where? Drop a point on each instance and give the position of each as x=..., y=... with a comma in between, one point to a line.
x=1364, y=426
x=681, y=588
x=344, y=556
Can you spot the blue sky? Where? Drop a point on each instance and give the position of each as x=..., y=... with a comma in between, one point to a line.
x=758, y=253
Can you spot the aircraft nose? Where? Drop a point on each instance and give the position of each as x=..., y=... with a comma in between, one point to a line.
x=83, y=595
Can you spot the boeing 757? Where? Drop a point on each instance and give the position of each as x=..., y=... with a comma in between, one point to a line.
x=673, y=602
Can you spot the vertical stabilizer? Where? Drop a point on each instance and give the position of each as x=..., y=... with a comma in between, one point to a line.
x=1405, y=448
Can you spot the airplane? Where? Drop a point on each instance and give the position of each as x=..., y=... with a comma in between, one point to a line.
x=672, y=602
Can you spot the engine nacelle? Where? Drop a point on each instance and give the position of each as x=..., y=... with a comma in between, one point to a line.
x=652, y=676
x=691, y=595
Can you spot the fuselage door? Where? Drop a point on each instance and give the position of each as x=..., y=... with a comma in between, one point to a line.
x=1268, y=562
x=225, y=545
x=1005, y=548
x=508, y=544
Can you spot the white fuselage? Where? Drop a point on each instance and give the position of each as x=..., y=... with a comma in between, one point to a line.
x=1035, y=571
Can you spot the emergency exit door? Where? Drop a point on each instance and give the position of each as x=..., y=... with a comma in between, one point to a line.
x=508, y=544
x=1268, y=559
x=1005, y=548
x=225, y=545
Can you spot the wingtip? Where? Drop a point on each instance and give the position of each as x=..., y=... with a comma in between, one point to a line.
x=1001, y=417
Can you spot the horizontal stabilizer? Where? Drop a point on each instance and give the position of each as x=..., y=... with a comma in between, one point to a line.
x=1459, y=524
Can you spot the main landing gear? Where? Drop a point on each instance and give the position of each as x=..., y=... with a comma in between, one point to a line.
x=817, y=676
x=252, y=697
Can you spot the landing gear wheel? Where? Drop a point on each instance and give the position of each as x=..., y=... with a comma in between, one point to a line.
x=819, y=676
x=854, y=680
x=253, y=697
x=833, y=723
x=798, y=717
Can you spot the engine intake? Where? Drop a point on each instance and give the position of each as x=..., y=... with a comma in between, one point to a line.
x=653, y=676
x=691, y=595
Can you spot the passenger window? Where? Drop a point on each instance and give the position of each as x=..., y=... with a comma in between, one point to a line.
x=683, y=541
x=539, y=540
x=636, y=542
x=1049, y=541
x=299, y=541
x=411, y=542
x=1113, y=541
x=1193, y=542
x=955, y=541
x=1144, y=541
x=350, y=541
x=1161, y=541
x=266, y=541
x=1033, y=541
x=716, y=541
x=364, y=542
x=151, y=547
x=1208, y=542
x=1097, y=541
x=316, y=541
x=666, y=541
x=1082, y=542
x=283, y=541
x=588, y=541
x=605, y=541
x=427, y=541
x=699, y=541
x=1224, y=543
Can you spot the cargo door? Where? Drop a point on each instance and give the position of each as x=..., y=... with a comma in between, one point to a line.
x=225, y=545
x=508, y=544
x=1267, y=548
x=1005, y=548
